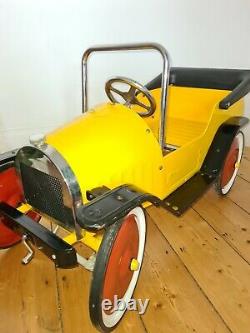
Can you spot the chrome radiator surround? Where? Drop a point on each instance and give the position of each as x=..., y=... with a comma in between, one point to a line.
x=49, y=184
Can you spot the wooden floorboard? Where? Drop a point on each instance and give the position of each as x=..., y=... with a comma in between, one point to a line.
x=227, y=219
x=244, y=171
x=28, y=294
x=74, y=293
x=240, y=194
x=195, y=272
x=219, y=271
x=176, y=302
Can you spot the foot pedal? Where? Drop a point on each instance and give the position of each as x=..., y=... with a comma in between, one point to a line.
x=30, y=255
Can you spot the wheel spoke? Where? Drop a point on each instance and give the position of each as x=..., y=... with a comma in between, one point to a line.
x=121, y=93
x=137, y=102
x=131, y=92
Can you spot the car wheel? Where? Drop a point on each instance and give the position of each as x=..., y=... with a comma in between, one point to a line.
x=231, y=165
x=11, y=193
x=117, y=269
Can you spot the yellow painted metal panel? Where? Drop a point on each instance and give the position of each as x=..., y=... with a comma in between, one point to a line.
x=189, y=108
x=111, y=145
x=24, y=208
x=193, y=118
x=90, y=239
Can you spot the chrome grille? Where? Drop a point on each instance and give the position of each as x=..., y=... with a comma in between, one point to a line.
x=44, y=192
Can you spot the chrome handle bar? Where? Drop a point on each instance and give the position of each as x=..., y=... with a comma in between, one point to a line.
x=132, y=47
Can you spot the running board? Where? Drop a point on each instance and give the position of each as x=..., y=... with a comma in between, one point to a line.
x=182, y=198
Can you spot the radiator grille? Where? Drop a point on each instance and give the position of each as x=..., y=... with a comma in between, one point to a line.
x=44, y=192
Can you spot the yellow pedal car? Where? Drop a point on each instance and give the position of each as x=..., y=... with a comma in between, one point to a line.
x=164, y=144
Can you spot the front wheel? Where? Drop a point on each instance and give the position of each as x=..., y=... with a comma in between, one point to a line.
x=231, y=165
x=117, y=269
x=12, y=194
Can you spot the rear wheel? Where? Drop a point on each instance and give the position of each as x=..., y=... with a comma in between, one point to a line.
x=117, y=269
x=231, y=165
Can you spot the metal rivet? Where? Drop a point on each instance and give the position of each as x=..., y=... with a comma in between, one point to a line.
x=78, y=204
x=53, y=256
x=160, y=167
x=119, y=197
x=98, y=212
x=175, y=208
x=147, y=130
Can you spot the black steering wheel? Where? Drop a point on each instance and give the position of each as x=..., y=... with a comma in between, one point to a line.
x=130, y=96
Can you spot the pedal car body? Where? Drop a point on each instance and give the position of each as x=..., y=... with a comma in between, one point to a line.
x=167, y=142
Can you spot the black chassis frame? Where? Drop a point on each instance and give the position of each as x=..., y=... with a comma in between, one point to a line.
x=108, y=206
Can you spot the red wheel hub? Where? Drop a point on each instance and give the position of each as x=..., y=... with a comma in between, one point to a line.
x=229, y=165
x=125, y=248
x=11, y=192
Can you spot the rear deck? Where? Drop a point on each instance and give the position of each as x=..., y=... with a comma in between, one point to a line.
x=196, y=273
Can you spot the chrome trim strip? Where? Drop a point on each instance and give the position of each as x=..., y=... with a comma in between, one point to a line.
x=133, y=47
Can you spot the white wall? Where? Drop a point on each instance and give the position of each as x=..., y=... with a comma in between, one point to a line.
x=41, y=43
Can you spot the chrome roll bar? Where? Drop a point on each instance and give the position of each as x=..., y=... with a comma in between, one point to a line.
x=132, y=47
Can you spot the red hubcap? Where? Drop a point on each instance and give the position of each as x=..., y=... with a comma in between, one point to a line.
x=229, y=166
x=118, y=274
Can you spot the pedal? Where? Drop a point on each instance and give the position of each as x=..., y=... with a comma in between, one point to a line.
x=88, y=264
x=30, y=255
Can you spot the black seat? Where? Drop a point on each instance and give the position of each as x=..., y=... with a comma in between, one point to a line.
x=235, y=80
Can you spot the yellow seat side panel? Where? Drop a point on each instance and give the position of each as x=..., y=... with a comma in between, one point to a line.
x=112, y=145
x=180, y=131
x=188, y=113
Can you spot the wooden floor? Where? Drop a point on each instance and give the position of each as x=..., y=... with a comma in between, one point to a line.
x=196, y=273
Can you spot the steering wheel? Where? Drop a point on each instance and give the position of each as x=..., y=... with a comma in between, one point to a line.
x=130, y=96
